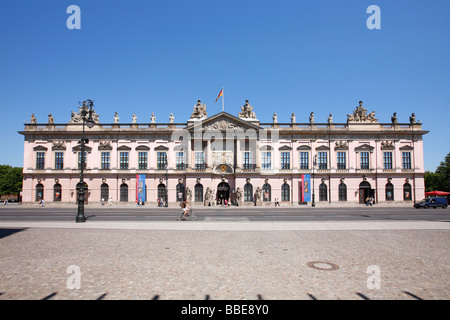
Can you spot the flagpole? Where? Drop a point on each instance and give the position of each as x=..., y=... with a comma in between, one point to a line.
x=223, y=97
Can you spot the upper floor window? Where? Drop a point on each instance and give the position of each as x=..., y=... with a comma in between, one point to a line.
x=304, y=160
x=106, y=161
x=82, y=159
x=161, y=158
x=387, y=160
x=266, y=160
x=59, y=160
x=341, y=160
x=40, y=160
x=142, y=160
x=181, y=163
x=406, y=160
x=323, y=160
x=124, y=160
x=199, y=160
x=364, y=160
x=285, y=160
x=248, y=160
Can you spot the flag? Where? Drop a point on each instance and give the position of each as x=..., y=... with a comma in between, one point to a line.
x=220, y=94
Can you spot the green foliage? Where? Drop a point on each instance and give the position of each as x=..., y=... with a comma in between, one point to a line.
x=439, y=180
x=10, y=179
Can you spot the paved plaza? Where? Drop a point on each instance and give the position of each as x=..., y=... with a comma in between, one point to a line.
x=225, y=260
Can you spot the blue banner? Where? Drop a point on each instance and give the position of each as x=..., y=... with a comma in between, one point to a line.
x=140, y=188
x=306, y=187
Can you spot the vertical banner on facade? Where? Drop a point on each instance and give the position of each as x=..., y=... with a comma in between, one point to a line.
x=140, y=187
x=306, y=187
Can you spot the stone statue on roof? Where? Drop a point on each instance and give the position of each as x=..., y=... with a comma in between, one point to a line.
x=199, y=111
x=247, y=111
x=360, y=115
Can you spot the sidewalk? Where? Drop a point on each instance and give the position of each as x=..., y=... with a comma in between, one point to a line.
x=114, y=262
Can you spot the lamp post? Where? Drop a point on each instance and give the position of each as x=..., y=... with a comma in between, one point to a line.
x=86, y=111
x=313, y=203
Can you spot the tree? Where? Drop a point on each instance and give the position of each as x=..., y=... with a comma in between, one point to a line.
x=10, y=180
x=440, y=179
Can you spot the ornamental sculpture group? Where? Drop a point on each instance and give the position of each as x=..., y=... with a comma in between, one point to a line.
x=359, y=115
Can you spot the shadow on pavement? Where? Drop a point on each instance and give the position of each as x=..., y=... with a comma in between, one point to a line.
x=7, y=232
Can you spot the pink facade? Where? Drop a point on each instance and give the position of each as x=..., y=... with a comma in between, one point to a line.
x=354, y=160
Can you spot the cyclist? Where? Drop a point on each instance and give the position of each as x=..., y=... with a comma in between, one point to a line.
x=185, y=209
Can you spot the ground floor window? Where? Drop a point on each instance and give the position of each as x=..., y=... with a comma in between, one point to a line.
x=285, y=192
x=124, y=192
x=267, y=193
x=39, y=192
x=248, y=192
x=104, y=192
x=389, y=192
x=198, y=190
x=323, y=192
x=57, y=192
x=407, y=192
x=342, y=192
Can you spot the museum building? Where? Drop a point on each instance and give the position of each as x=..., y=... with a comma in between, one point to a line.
x=209, y=159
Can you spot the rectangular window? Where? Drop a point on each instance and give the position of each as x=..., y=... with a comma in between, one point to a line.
x=304, y=160
x=248, y=160
x=199, y=160
x=364, y=160
x=406, y=160
x=59, y=160
x=341, y=160
x=80, y=160
x=124, y=158
x=106, y=161
x=387, y=160
x=266, y=160
x=285, y=160
x=40, y=160
x=142, y=160
x=161, y=159
x=323, y=160
x=181, y=163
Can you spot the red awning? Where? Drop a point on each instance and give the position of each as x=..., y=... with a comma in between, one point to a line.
x=437, y=193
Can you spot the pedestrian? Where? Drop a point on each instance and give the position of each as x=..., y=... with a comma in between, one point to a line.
x=103, y=201
x=110, y=201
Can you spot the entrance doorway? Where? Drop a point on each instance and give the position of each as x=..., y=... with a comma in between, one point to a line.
x=223, y=192
x=365, y=191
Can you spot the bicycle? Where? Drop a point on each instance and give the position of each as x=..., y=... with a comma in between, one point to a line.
x=191, y=215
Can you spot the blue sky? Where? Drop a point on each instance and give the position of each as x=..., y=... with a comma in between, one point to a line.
x=283, y=56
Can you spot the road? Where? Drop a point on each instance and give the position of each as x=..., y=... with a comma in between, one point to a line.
x=23, y=213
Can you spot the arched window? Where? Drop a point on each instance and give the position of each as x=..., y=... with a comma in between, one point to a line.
x=248, y=192
x=39, y=191
x=198, y=190
x=323, y=192
x=162, y=192
x=342, y=192
x=389, y=192
x=104, y=192
x=285, y=192
x=124, y=192
x=180, y=192
x=407, y=192
x=57, y=192
x=267, y=192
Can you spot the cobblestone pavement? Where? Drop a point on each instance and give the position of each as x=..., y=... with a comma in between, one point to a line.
x=223, y=264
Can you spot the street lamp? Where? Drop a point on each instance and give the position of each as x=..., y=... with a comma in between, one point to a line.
x=86, y=111
x=313, y=203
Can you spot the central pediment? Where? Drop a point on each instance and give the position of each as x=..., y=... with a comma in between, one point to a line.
x=223, y=121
